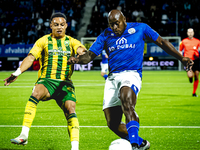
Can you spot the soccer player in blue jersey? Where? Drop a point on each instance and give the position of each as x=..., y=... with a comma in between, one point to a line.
x=124, y=44
x=104, y=65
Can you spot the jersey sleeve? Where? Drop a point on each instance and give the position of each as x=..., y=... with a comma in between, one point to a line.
x=75, y=44
x=37, y=48
x=181, y=46
x=98, y=45
x=149, y=32
x=199, y=46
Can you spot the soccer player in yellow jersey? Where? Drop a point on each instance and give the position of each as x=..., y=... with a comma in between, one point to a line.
x=54, y=77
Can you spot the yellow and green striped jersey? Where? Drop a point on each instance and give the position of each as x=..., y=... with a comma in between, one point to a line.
x=53, y=55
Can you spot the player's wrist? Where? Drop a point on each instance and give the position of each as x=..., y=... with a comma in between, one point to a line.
x=17, y=72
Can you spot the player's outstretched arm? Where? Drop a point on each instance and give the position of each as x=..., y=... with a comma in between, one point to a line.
x=27, y=63
x=82, y=59
x=170, y=49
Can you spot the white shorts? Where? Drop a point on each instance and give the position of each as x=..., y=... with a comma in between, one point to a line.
x=114, y=83
x=104, y=67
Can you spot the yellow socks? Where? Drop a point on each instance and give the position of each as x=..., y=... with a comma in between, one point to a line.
x=30, y=111
x=73, y=127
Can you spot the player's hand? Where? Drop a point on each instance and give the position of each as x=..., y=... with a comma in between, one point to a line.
x=188, y=63
x=9, y=80
x=72, y=60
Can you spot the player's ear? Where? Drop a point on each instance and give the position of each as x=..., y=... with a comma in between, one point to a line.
x=124, y=19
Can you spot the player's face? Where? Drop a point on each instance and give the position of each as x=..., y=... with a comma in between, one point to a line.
x=190, y=33
x=58, y=26
x=117, y=24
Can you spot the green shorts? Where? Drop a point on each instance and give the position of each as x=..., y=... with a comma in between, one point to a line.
x=59, y=90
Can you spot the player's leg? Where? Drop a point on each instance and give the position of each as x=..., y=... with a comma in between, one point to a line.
x=130, y=84
x=40, y=92
x=128, y=99
x=66, y=99
x=112, y=107
x=103, y=74
x=113, y=117
x=190, y=75
x=104, y=70
x=73, y=124
x=113, y=111
x=143, y=144
x=196, y=82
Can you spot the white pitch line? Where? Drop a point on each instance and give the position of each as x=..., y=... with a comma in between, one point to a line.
x=91, y=84
x=161, y=127
x=33, y=86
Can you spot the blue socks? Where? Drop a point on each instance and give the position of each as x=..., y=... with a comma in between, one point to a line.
x=133, y=128
x=105, y=76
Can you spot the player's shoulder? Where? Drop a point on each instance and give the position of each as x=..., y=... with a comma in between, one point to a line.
x=44, y=37
x=185, y=39
x=106, y=32
x=69, y=37
x=195, y=39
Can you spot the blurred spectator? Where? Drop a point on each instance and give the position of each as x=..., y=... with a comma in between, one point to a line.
x=119, y=8
x=135, y=14
x=141, y=13
x=122, y=3
x=102, y=8
x=23, y=15
x=195, y=20
x=165, y=6
x=187, y=6
x=70, y=12
x=160, y=15
x=164, y=19
x=73, y=26
x=31, y=36
x=105, y=14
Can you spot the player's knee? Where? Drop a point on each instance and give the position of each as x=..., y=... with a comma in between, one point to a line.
x=112, y=125
x=40, y=92
x=37, y=95
x=127, y=96
x=69, y=107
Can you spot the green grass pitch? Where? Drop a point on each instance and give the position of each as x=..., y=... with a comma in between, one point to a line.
x=169, y=115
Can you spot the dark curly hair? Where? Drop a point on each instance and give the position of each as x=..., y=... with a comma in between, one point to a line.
x=58, y=14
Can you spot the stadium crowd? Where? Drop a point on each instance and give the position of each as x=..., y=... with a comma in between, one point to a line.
x=24, y=21
x=160, y=15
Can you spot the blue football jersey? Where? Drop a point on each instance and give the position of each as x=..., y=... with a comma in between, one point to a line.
x=124, y=52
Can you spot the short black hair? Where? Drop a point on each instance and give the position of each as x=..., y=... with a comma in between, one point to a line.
x=58, y=14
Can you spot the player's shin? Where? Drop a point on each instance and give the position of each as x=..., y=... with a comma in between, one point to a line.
x=73, y=129
x=133, y=128
x=29, y=114
x=195, y=85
